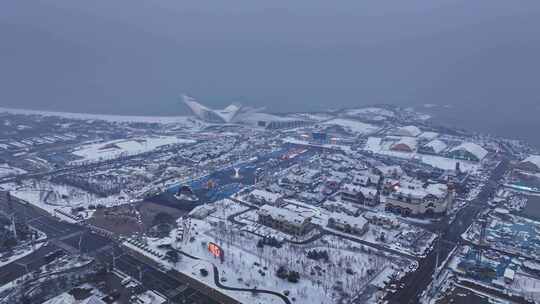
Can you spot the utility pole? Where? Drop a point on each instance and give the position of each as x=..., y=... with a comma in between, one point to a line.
x=435, y=274
x=482, y=236
x=139, y=268
x=32, y=236
x=80, y=242
x=113, y=261
x=14, y=227
x=114, y=258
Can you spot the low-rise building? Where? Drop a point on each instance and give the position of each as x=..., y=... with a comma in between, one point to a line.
x=359, y=195
x=366, y=179
x=341, y=207
x=530, y=164
x=149, y=297
x=435, y=147
x=412, y=131
x=509, y=275
x=468, y=151
x=389, y=171
x=262, y=197
x=285, y=220
x=415, y=198
x=405, y=144
x=348, y=224
x=382, y=220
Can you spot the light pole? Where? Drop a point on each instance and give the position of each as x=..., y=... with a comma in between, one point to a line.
x=80, y=242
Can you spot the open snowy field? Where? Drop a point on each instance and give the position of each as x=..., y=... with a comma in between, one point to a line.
x=104, y=117
x=349, y=269
x=50, y=196
x=116, y=148
x=371, y=111
x=21, y=251
x=6, y=170
x=353, y=126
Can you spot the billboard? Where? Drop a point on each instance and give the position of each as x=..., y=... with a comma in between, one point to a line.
x=215, y=250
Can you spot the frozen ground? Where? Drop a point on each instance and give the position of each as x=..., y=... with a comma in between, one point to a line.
x=371, y=111
x=50, y=196
x=46, y=272
x=6, y=170
x=350, y=268
x=20, y=252
x=104, y=117
x=527, y=286
x=353, y=125
x=117, y=148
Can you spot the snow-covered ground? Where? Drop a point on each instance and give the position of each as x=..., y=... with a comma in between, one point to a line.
x=375, y=145
x=61, y=264
x=116, y=148
x=50, y=196
x=350, y=267
x=523, y=284
x=20, y=252
x=371, y=111
x=104, y=117
x=527, y=286
x=354, y=126
x=292, y=140
x=7, y=170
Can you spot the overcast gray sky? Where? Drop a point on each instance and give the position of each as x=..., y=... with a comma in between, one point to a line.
x=137, y=57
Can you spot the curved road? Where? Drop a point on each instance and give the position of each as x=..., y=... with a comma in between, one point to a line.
x=322, y=232
x=218, y=282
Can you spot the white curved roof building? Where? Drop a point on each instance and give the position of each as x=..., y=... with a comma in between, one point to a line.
x=236, y=113
x=468, y=151
x=411, y=131
x=204, y=113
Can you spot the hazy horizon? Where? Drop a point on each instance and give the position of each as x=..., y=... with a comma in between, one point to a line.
x=137, y=57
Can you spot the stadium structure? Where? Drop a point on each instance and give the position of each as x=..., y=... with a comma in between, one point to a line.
x=204, y=113
x=236, y=113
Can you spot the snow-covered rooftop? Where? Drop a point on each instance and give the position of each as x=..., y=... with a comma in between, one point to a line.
x=254, y=117
x=533, y=159
x=408, y=131
x=371, y=111
x=366, y=191
x=408, y=141
x=267, y=196
x=64, y=298
x=354, y=221
x=472, y=148
x=95, y=300
x=390, y=170
x=150, y=297
x=415, y=189
x=353, y=126
x=429, y=135
x=282, y=214
x=437, y=145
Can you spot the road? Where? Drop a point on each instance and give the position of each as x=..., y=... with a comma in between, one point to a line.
x=416, y=282
x=71, y=235
x=70, y=238
x=94, y=165
x=175, y=287
x=323, y=232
